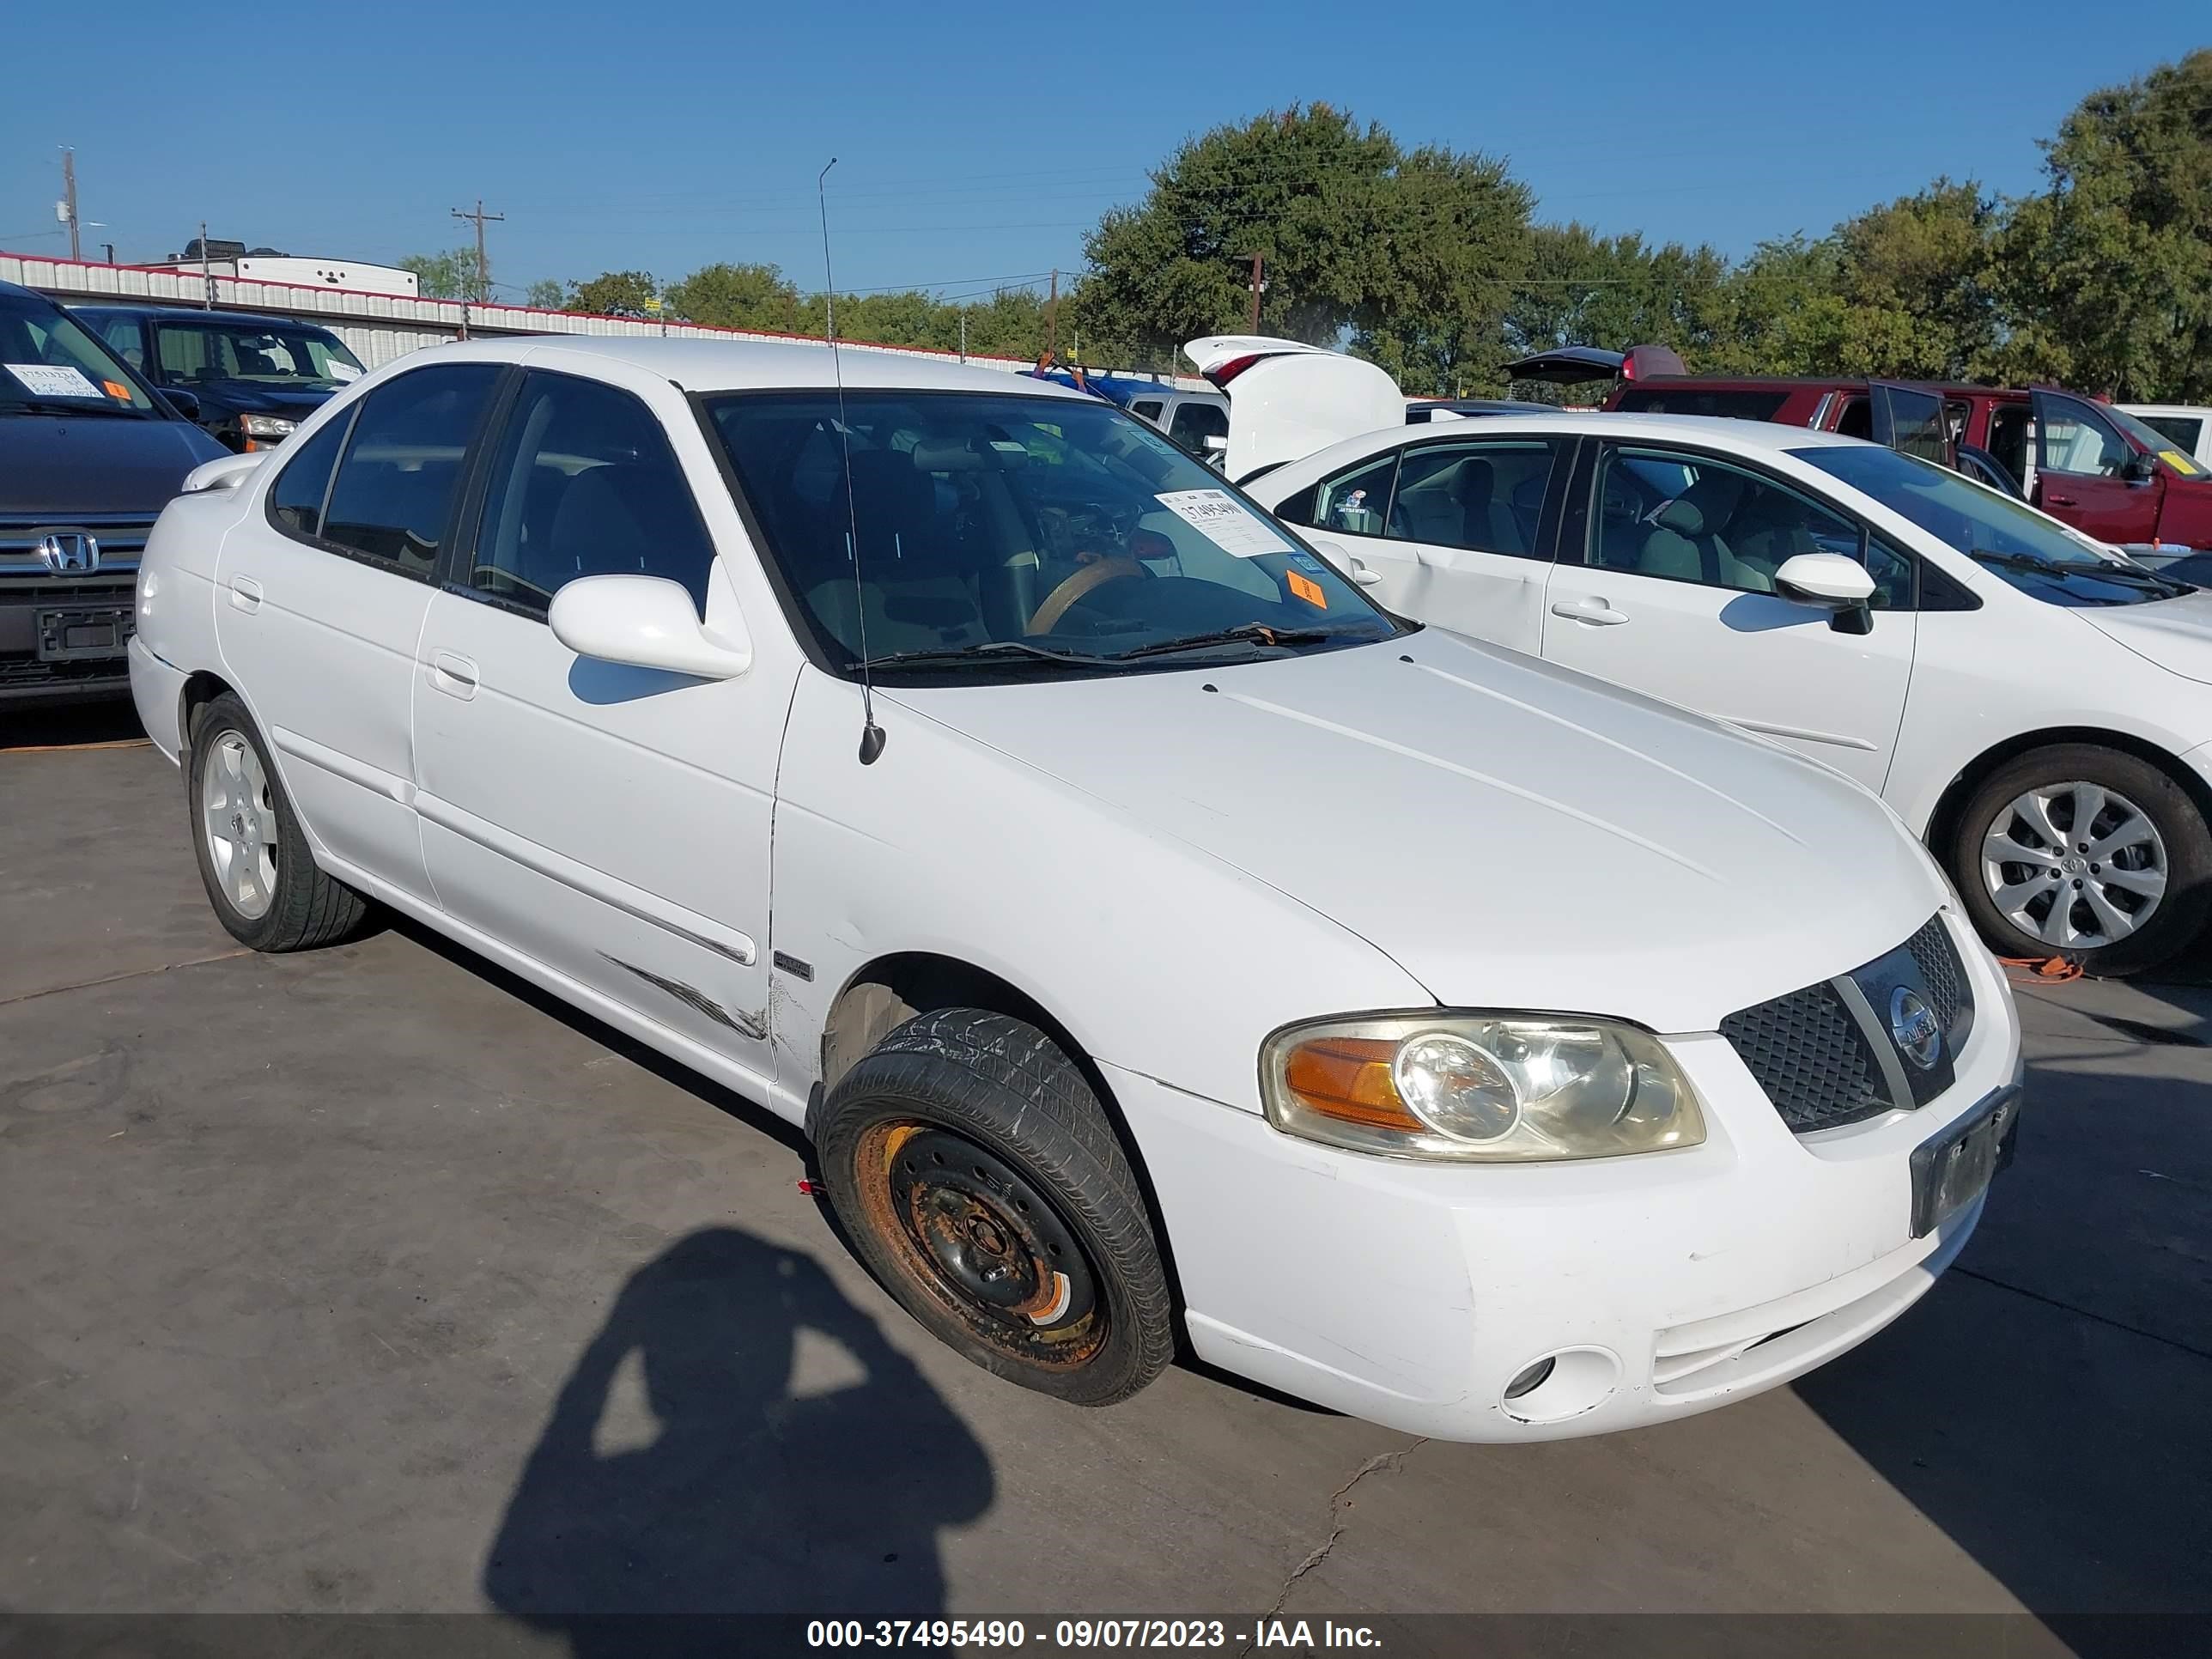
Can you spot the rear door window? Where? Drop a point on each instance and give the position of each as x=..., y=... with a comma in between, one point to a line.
x=394, y=490
x=1486, y=497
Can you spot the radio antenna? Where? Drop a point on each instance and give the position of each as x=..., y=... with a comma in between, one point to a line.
x=872, y=735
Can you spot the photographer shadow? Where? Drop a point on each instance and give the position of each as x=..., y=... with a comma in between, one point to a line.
x=751, y=1498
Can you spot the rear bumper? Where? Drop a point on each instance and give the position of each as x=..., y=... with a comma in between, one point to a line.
x=158, y=691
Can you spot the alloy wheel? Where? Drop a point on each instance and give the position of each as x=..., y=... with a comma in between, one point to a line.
x=239, y=814
x=2075, y=865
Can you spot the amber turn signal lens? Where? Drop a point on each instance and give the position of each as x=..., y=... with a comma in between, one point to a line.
x=1349, y=1078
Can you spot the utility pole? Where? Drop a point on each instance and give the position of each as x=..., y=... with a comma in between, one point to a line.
x=69, y=197
x=1258, y=264
x=1052, y=316
x=483, y=261
x=963, y=334
x=207, y=283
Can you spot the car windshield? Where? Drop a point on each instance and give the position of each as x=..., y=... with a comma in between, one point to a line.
x=2035, y=554
x=2158, y=443
x=49, y=364
x=312, y=359
x=1002, y=533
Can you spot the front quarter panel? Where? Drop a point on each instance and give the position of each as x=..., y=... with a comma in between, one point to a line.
x=1156, y=956
x=175, y=626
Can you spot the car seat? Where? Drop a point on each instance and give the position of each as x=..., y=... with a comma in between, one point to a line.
x=914, y=589
x=627, y=518
x=1685, y=544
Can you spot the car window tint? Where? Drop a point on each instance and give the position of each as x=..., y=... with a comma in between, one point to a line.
x=583, y=484
x=1690, y=519
x=1743, y=405
x=1356, y=502
x=394, y=489
x=2075, y=441
x=2183, y=430
x=296, y=500
x=1488, y=497
x=1195, y=423
x=1149, y=407
x=2009, y=429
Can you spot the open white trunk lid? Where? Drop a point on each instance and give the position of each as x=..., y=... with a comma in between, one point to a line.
x=1287, y=400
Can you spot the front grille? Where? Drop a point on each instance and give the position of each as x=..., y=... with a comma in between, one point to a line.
x=1948, y=994
x=1810, y=1056
x=1817, y=1057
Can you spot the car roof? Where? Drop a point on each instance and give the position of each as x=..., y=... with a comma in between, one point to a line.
x=1718, y=431
x=254, y=319
x=2165, y=409
x=697, y=365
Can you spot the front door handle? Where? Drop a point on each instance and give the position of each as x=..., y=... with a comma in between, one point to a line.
x=2063, y=501
x=1594, y=611
x=453, y=674
x=245, y=593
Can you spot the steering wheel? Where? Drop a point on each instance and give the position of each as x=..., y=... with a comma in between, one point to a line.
x=1091, y=576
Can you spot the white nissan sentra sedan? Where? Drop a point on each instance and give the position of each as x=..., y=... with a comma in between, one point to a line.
x=1172, y=943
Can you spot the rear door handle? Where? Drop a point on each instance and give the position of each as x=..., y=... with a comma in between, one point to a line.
x=453, y=674
x=1594, y=611
x=1363, y=576
x=245, y=593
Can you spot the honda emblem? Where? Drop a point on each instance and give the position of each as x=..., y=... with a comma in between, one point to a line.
x=69, y=552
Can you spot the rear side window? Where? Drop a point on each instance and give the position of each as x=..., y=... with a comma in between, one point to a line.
x=295, y=501
x=1355, y=502
x=1195, y=423
x=585, y=484
x=394, y=489
x=1149, y=407
x=1672, y=400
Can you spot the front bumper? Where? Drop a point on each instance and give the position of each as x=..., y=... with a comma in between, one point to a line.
x=158, y=691
x=1414, y=1294
x=43, y=655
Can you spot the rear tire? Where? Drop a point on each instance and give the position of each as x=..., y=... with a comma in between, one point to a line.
x=260, y=875
x=982, y=1184
x=2124, y=891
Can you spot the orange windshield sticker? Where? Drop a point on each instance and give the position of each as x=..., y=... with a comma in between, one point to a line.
x=116, y=389
x=1309, y=590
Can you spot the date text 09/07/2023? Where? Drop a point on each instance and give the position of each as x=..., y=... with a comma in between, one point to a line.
x=1296, y=1634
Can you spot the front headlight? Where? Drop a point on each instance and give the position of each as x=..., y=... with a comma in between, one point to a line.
x=1478, y=1087
x=266, y=426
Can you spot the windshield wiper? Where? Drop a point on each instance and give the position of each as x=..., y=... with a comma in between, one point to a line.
x=991, y=653
x=2102, y=570
x=1254, y=632
x=56, y=406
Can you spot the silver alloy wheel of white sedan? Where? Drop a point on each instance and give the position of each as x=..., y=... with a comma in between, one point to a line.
x=2075, y=865
x=241, y=820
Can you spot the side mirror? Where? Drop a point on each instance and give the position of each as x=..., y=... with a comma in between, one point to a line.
x=1832, y=580
x=1214, y=444
x=645, y=621
x=2139, y=468
x=186, y=404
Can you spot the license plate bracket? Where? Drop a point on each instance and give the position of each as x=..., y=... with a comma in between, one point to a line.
x=82, y=633
x=1953, y=1169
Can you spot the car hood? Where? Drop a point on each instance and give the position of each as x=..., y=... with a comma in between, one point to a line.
x=247, y=397
x=1512, y=835
x=61, y=465
x=2175, y=634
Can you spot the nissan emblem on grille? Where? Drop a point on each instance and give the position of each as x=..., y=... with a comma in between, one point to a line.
x=1912, y=1024
x=69, y=552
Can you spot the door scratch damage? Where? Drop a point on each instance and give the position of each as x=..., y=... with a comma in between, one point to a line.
x=745, y=1024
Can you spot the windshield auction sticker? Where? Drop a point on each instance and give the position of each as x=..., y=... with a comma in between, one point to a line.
x=49, y=381
x=1225, y=522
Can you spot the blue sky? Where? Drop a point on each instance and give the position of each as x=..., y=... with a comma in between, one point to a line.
x=978, y=141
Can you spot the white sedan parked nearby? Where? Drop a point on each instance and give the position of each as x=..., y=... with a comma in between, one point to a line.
x=2039, y=708
x=1174, y=938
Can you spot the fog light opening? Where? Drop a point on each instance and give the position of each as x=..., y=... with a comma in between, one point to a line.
x=1561, y=1385
x=1529, y=1379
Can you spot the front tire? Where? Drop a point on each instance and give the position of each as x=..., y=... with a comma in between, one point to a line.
x=980, y=1180
x=2086, y=852
x=254, y=860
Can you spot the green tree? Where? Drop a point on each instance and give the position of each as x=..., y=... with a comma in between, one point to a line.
x=615, y=293
x=2107, y=275
x=754, y=296
x=448, y=276
x=547, y=294
x=1917, y=280
x=1581, y=288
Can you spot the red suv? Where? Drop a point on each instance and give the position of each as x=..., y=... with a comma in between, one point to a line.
x=2087, y=463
